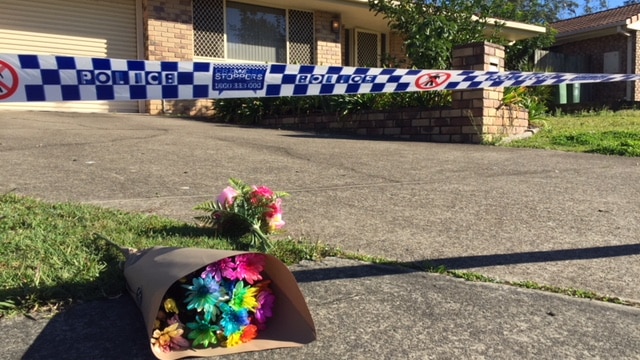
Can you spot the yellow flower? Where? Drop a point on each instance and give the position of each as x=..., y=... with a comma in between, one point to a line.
x=235, y=339
x=170, y=306
x=245, y=297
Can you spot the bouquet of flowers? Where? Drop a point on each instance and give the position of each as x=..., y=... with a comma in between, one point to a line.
x=242, y=209
x=205, y=302
x=223, y=304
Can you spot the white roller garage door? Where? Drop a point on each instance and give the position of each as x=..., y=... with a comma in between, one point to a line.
x=95, y=28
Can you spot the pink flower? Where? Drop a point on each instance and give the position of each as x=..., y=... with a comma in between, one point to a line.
x=261, y=195
x=227, y=196
x=249, y=266
x=219, y=269
x=263, y=191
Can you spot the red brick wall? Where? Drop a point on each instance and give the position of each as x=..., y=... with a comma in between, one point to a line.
x=436, y=125
x=593, y=50
x=169, y=29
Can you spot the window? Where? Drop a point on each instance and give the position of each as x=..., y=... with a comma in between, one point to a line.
x=256, y=33
x=237, y=31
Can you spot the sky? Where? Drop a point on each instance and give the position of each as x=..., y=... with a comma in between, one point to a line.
x=615, y=3
x=612, y=4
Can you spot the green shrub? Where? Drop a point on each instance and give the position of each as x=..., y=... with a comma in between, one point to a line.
x=535, y=99
x=252, y=110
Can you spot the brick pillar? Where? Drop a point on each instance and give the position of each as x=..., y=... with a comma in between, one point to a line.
x=482, y=110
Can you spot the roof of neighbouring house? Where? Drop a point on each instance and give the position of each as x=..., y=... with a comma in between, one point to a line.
x=625, y=17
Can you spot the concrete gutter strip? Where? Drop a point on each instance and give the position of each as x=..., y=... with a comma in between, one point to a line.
x=526, y=134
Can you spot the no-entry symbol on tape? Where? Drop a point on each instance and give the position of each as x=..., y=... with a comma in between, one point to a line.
x=432, y=80
x=8, y=80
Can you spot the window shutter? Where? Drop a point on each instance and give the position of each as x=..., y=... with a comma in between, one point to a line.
x=301, y=37
x=208, y=28
x=367, y=49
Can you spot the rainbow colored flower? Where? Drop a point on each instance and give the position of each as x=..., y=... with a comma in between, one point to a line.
x=225, y=303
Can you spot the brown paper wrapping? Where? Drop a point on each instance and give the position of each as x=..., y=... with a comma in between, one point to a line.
x=151, y=272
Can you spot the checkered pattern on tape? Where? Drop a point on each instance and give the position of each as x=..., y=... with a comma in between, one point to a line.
x=479, y=79
x=60, y=79
x=284, y=80
x=56, y=78
x=473, y=80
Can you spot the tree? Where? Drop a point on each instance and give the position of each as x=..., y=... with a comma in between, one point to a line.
x=433, y=27
x=519, y=56
x=538, y=12
x=598, y=5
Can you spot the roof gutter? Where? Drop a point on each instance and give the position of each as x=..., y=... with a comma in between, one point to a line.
x=620, y=30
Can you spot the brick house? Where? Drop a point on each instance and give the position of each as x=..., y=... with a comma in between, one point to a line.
x=325, y=32
x=603, y=42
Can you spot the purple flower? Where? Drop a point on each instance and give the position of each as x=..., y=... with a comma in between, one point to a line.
x=266, y=300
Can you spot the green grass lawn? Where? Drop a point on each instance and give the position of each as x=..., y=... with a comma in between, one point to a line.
x=51, y=255
x=604, y=132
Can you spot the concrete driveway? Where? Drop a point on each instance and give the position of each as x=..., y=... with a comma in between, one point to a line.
x=562, y=219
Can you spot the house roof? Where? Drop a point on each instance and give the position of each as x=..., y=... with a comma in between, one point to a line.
x=598, y=24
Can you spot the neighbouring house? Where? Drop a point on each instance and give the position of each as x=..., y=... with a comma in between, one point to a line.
x=324, y=32
x=602, y=42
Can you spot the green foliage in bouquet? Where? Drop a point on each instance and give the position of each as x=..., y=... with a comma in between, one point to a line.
x=242, y=210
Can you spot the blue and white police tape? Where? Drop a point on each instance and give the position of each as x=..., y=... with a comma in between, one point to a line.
x=66, y=78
